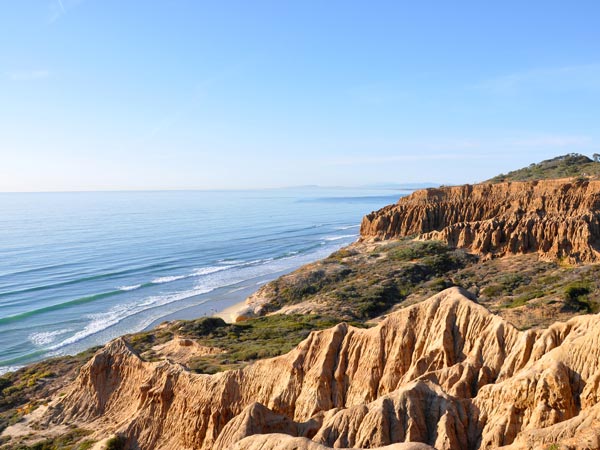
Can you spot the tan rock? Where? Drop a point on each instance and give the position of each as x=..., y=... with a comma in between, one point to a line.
x=283, y=442
x=182, y=350
x=445, y=372
x=556, y=218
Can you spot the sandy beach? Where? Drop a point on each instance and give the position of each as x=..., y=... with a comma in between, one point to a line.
x=230, y=313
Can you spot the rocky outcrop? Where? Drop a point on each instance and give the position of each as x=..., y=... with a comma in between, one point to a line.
x=283, y=442
x=446, y=373
x=556, y=218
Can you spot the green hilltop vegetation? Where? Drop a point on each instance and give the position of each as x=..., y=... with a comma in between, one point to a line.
x=566, y=166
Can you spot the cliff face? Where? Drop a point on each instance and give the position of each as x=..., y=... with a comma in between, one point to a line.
x=556, y=218
x=445, y=372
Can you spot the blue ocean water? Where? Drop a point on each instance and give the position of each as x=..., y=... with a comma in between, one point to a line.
x=78, y=269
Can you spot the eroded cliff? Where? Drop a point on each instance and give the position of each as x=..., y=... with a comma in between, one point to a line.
x=445, y=372
x=556, y=218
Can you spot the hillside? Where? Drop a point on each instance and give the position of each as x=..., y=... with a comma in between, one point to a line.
x=558, y=219
x=463, y=318
x=444, y=372
x=565, y=166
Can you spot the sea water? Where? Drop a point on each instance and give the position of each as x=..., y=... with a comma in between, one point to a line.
x=78, y=269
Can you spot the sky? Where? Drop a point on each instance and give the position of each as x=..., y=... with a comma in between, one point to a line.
x=115, y=95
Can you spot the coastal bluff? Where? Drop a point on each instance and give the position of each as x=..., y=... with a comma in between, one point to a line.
x=461, y=352
x=558, y=219
x=444, y=373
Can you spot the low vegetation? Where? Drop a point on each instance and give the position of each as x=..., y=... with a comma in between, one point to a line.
x=578, y=297
x=354, y=284
x=116, y=443
x=22, y=391
x=240, y=343
x=363, y=281
x=566, y=166
x=73, y=440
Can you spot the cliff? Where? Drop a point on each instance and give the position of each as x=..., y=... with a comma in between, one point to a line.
x=445, y=372
x=555, y=218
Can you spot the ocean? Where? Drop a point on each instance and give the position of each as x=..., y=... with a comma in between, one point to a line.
x=79, y=269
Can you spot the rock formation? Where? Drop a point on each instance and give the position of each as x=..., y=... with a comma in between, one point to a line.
x=446, y=373
x=556, y=218
x=284, y=442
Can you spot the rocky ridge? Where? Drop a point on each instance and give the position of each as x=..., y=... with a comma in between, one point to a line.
x=559, y=219
x=445, y=373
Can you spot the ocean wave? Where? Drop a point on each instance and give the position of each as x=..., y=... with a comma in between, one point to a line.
x=133, y=287
x=101, y=321
x=168, y=279
x=6, y=369
x=337, y=238
x=347, y=227
x=100, y=276
x=213, y=269
x=198, y=272
x=209, y=279
x=47, y=337
x=58, y=306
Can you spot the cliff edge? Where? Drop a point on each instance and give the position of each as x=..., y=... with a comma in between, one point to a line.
x=558, y=219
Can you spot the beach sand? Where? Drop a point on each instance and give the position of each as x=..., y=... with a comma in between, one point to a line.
x=223, y=302
x=230, y=313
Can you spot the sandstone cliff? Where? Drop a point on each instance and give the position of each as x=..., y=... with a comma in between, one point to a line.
x=556, y=218
x=445, y=372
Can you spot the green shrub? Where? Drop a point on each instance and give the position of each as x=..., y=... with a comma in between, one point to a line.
x=67, y=441
x=569, y=165
x=116, y=442
x=417, y=250
x=576, y=296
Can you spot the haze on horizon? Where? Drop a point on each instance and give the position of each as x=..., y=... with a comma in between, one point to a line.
x=107, y=95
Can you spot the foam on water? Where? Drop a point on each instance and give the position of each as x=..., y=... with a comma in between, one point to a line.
x=347, y=227
x=6, y=369
x=47, y=337
x=213, y=269
x=101, y=321
x=168, y=279
x=130, y=288
x=337, y=238
x=83, y=268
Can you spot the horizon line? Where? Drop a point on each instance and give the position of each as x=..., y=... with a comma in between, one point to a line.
x=401, y=186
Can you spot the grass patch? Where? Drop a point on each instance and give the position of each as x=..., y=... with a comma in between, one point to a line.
x=414, y=250
x=241, y=343
x=68, y=441
x=522, y=299
x=20, y=391
x=354, y=285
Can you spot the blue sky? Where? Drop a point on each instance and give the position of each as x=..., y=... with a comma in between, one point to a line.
x=102, y=94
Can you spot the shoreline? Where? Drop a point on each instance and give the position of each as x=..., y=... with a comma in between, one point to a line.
x=231, y=313
x=224, y=302
x=90, y=303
